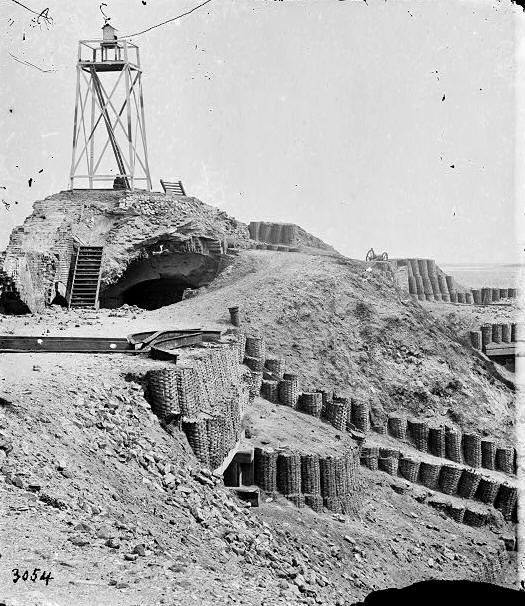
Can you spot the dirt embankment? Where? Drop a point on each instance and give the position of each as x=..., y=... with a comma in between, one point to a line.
x=342, y=326
x=97, y=493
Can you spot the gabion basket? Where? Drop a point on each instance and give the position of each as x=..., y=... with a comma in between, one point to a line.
x=336, y=414
x=506, y=500
x=474, y=516
x=472, y=449
x=275, y=366
x=327, y=472
x=255, y=347
x=468, y=483
x=408, y=468
x=163, y=392
x=310, y=474
x=269, y=390
x=436, y=441
x=288, y=473
x=388, y=464
x=453, y=445
x=255, y=364
x=456, y=512
x=361, y=416
x=197, y=435
x=288, y=392
x=505, y=459
x=487, y=490
x=429, y=474
x=418, y=433
x=265, y=469
x=314, y=501
x=488, y=454
x=311, y=403
x=449, y=478
x=397, y=427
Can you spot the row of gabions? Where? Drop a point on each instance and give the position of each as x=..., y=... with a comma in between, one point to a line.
x=427, y=282
x=207, y=398
x=270, y=380
x=310, y=479
x=447, y=478
x=450, y=443
x=495, y=333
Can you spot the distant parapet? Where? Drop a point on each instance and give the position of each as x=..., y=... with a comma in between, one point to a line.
x=286, y=234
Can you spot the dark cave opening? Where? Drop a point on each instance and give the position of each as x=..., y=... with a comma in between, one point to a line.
x=159, y=280
x=153, y=294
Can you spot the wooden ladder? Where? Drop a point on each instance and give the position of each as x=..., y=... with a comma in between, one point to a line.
x=85, y=283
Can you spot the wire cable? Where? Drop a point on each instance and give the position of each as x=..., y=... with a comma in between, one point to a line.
x=167, y=21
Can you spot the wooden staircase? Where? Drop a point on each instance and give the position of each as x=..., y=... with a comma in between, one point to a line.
x=85, y=282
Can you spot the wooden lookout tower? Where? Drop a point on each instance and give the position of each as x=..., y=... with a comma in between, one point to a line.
x=109, y=136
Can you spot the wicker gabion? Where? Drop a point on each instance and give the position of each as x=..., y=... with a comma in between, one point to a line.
x=216, y=429
x=310, y=474
x=496, y=333
x=418, y=433
x=388, y=464
x=436, y=441
x=453, y=444
x=449, y=478
x=361, y=415
x=314, y=501
x=276, y=366
x=487, y=490
x=488, y=454
x=328, y=476
x=397, y=427
x=269, y=390
x=476, y=296
x=506, y=500
x=163, y=392
x=505, y=459
x=333, y=504
x=197, y=435
x=337, y=414
x=408, y=468
x=472, y=449
x=468, y=483
x=429, y=474
x=289, y=473
x=456, y=512
x=255, y=347
x=505, y=333
x=288, y=391
x=327, y=396
x=255, y=383
x=474, y=516
x=486, y=334
x=311, y=403
x=255, y=364
x=234, y=316
x=475, y=339
x=265, y=469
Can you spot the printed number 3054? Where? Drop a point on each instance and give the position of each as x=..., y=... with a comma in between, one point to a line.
x=25, y=576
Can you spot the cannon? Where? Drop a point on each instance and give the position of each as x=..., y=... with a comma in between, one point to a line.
x=371, y=256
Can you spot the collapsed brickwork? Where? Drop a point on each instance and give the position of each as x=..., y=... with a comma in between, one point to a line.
x=147, y=237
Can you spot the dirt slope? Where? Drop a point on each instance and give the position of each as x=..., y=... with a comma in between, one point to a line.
x=343, y=327
x=97, y=493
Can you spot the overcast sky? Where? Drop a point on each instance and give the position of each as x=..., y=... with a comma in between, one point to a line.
x=388, y=124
